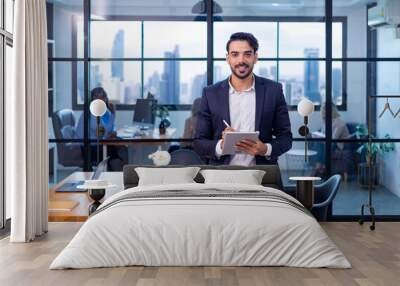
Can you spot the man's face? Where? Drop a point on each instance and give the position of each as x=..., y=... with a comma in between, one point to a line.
x=241, y=58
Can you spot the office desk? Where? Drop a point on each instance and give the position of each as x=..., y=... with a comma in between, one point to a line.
x=80, y=212
x=151, y=139
x=132, y=132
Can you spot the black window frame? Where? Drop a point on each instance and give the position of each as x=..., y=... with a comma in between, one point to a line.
x=6, y=39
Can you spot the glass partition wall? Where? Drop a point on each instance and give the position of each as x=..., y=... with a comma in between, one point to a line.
x=372, y=58
x=6, y=44
x=326, y=50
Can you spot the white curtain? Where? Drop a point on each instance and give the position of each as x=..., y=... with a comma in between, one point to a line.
x=26, y=123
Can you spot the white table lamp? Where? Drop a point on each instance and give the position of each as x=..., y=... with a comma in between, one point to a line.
x=97, y=108
x=305, y=108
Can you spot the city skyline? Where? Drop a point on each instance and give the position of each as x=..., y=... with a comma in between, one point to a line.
x=166, y=83
x=180, y=82
x=265, y=32
x=311, y=76
x=168, y=88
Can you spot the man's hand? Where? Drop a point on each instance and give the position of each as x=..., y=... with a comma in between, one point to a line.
x=251, y=147
x=226, y=130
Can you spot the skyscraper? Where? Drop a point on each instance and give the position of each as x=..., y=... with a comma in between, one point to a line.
x=117, y=51
x=132, y=92
x=96, y=76
x=274, y=73
x=311, y=76
x=263, y=72
x=199, y=82
x=288, y=92
x=153, y=84
x=169, y=84
x=217, y=73
x=336, y=85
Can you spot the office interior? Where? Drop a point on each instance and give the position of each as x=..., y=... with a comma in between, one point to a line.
x=131, y=53
x=129, y=49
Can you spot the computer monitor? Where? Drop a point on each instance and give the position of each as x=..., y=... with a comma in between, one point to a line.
x=144, y=111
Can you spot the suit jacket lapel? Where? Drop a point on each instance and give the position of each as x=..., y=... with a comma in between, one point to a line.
x=225, y=102
x=225, y=114
x=260, y=96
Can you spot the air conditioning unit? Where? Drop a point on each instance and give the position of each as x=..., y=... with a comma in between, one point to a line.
x=386, y=12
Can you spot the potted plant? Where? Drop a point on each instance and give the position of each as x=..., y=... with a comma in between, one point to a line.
x=162, y=112
x=370, y=151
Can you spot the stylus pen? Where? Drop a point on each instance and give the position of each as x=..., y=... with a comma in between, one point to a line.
x=226, y=123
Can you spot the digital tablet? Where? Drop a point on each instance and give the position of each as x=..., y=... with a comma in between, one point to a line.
x=231, y=138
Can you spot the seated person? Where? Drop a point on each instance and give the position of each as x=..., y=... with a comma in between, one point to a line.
x=339, y=127
x=341, y=158
x=189, y=129
x=190, y=122
x=118, y=154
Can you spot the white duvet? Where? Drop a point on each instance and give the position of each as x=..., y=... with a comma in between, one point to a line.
x=200, y=231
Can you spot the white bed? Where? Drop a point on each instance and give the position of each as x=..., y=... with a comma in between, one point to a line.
x=185, y=230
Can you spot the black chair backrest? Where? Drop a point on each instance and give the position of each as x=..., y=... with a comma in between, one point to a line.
x=185, y=157
x=62, y=118
x=68, y=154
x=324, y=194
x=327, y=190
x=352, y=127
x=272, y=177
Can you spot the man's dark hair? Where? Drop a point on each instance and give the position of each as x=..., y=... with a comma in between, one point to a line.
x=98, y=92
x=242, y=36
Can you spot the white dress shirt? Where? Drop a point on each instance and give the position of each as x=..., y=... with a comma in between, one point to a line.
x=242, y=110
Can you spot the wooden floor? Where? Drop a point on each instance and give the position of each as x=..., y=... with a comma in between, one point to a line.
x=375, y=257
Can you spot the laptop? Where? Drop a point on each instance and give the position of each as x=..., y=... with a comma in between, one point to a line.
x=71, y=186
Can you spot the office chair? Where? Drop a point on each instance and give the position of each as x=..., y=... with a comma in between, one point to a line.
x=324, y=194
x=70, y=153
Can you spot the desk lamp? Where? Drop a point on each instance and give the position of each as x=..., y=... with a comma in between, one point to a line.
x=305, y=108
x=98, y=108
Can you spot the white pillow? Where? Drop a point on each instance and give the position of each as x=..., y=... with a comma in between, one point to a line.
x=248, y=177
x=166, y=176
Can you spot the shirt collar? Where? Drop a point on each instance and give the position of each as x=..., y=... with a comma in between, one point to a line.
x=251, y=88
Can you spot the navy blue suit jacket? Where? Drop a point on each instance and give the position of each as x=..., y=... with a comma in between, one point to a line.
x=272, y=120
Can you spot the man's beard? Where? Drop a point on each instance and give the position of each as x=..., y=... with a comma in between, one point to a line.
x=239, y=75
